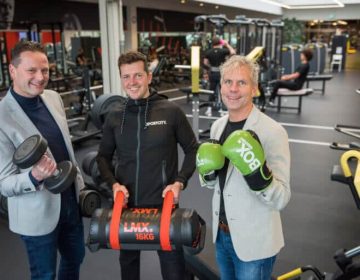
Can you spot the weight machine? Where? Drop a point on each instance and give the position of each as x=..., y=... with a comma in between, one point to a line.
x=349, y=266
x=348, y=130
x=245, y=34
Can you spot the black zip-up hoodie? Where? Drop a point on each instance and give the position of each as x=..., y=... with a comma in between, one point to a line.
x=144, y=134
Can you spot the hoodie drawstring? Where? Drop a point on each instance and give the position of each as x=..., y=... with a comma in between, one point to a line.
x=124, y=113
x=146, y=113
x=123, y=116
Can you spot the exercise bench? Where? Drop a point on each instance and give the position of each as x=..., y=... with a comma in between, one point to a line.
x=282, y=92
x=320, y=77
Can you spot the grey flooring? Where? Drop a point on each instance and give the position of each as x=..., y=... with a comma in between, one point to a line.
x=320, y=218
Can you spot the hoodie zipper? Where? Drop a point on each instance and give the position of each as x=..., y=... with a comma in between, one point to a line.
x=137, y=155
x=163, y=173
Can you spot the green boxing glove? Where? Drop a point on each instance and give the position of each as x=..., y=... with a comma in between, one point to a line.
x=209, y=158
x=244, y=150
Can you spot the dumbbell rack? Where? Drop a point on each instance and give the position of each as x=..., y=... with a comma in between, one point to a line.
x=4, y=69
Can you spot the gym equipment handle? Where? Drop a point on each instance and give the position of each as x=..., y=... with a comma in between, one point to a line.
x=290, y=274
x=354, y=181
x=301, y=270
x=115, y=221
x=165, y=221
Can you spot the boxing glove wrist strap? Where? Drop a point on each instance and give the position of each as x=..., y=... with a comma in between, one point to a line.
x=260, y=179
x=211, y=176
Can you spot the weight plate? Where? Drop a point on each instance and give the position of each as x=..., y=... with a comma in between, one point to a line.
x=103, y=105
x=64, y=179
x=30, y=151
x=90, y=200
x=88, y=162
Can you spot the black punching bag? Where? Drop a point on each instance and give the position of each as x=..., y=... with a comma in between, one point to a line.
x=146, y=228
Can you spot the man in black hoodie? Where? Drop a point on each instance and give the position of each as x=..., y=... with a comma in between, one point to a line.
x=144, y=135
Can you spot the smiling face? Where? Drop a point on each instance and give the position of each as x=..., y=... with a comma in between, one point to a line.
x=237, y=91
x=30, y=74
x=135, y=80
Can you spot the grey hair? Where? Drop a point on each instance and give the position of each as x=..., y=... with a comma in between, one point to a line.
x=237, y=61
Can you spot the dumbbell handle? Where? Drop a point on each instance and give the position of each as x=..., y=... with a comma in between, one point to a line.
x=56, y=173
x=39, y=173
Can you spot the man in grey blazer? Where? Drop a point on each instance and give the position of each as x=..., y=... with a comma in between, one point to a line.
x=248, y=166
x=46, y=222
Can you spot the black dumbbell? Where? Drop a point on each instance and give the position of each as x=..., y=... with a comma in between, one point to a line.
x=89, y=201
x=31, y=151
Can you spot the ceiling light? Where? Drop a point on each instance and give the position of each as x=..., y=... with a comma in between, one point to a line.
x=276, y=3
x=295, y=7
x=182, y=1
x=342, y=22
x=337, y=4
x=216, y=7
x=201, y=4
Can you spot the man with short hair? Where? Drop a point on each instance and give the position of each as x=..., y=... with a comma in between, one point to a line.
x=48, y=223
x=247, y=163
x=145, y=135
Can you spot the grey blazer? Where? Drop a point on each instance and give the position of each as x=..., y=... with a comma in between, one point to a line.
x=254, y=217
x=31, y=212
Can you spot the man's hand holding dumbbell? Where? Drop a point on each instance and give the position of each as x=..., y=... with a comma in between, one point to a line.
x=32, y=153
x=44, y=168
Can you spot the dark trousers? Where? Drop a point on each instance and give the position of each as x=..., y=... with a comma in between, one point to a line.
x=172, y=265
x=214, y=79
x=67, y=237
x=283, y=84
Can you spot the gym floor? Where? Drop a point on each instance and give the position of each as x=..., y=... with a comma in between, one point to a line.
x=320, y=218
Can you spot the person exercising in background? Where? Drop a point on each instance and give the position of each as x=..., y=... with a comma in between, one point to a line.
x=296, y=80
x=213, y=58
x=247, y=163
x=81, y=59
x=47, y=223
x=145, y=135
x=153, y=60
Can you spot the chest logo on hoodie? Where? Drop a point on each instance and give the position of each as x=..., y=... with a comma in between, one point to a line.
x=163, y=122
